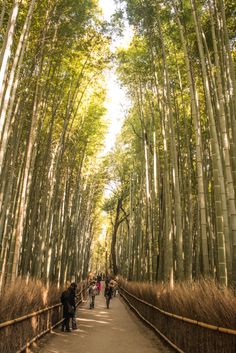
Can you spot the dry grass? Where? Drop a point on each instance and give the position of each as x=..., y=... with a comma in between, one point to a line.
x=25, y=297
x=203, y=300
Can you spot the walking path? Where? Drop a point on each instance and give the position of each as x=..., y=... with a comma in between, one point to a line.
x=101, y=330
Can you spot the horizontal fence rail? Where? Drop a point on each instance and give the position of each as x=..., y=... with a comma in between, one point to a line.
x=183, y=334
x=18, y=334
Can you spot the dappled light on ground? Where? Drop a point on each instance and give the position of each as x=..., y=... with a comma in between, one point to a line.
x=99, y=322
x=100, y=329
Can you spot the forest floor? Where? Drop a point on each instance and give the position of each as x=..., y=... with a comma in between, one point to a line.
x=101, y=330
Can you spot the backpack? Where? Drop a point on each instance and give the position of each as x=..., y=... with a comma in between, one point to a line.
x=64, y=296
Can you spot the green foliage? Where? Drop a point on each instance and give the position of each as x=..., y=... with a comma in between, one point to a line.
x=60, y=86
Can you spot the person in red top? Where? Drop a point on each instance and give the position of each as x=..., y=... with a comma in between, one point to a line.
x=99, y=284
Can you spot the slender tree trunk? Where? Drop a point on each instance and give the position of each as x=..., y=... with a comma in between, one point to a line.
x=114, y=235
x=12, y=84
x=216, y=157
x=6, y=49
x=175, y=172
x=199, y=156
x=25, y=186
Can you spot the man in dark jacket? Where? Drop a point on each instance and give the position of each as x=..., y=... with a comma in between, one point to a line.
x=108, y=294
x=73, y=301
x=69, y=306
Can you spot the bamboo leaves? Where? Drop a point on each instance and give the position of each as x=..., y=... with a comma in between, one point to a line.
x=52, y=130
x=185, y=86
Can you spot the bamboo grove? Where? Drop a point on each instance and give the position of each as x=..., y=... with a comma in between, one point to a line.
x=53, y=54
x=173, y=210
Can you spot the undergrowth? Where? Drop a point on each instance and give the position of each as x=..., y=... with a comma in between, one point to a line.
x=26, y=296
x=203, y=300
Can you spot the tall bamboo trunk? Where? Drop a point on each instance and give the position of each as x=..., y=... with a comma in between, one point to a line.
x=199, y=154
x=6, y=48
x=175, y=172
x=12, y=84
x=216, y=158
x=26, y=183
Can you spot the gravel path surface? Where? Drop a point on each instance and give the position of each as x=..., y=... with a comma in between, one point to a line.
x=101, y=330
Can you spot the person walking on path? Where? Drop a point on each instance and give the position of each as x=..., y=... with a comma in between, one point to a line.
x=69, y=307
x=108, y=294
x=107, y=280
x=114, y=285
x=92, y=294
x=99, y=285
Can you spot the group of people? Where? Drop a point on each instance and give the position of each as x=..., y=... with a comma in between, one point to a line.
x=95, y=289
x=68, y=298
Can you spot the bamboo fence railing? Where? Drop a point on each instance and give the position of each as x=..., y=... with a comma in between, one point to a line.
x=183, y=334
x=18, y=334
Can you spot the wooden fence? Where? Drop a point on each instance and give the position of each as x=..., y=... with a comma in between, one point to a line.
x=183, y=334
x=18, y=334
